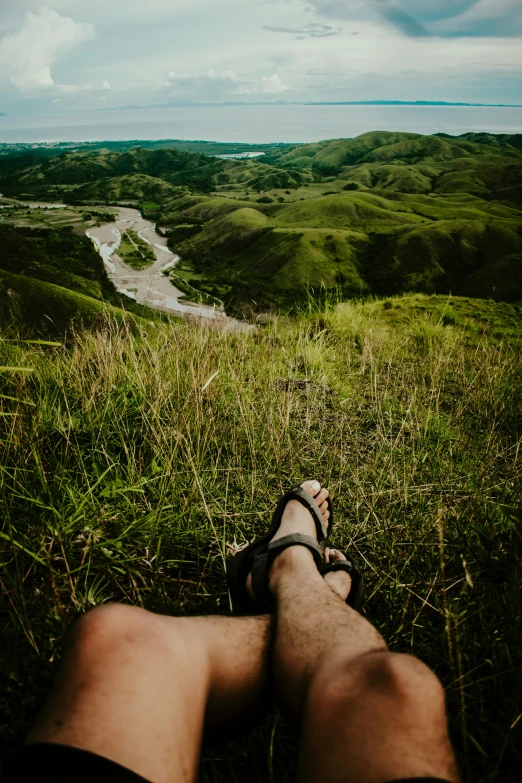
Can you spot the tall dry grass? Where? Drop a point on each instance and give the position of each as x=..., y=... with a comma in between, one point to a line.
x=129, y=466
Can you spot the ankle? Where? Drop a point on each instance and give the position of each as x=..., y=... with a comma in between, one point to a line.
x=289, y=565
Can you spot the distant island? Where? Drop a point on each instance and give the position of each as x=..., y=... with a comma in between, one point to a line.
x=413, y=103
x=186, y=104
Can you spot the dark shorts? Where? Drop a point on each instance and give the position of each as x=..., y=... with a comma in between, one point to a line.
x=61, y=764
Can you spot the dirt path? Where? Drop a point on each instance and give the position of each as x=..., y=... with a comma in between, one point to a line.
x=148, y=286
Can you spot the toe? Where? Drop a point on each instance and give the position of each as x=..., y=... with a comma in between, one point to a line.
x=339, y=582
x=322, y=496
x=312, y=487
x=333, y=556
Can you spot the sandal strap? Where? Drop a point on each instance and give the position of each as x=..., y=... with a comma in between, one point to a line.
x=306, y=500
x=261, y=562
x=352, y=567
x=341, y=565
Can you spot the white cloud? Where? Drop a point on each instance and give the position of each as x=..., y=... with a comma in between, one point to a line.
x=269, y=85
x=258, y=50
x=211, y=85
x=225, y=75
x=26, y=56
x=273, y=84
x=106, y=85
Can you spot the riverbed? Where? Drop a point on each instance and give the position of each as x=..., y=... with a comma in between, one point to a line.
x=148, y=286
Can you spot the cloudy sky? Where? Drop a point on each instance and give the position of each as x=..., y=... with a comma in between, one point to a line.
x=75, y=54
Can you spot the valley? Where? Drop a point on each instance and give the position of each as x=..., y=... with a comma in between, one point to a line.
x=379, y=214
x=149, y=284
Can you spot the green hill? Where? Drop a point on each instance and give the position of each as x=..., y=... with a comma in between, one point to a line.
x=70, y=169
x=125, y=188
x=383, y=212
x=51, y=277
x=55, y=256
x=411, y=163
x=356, y=241
x=28, y=303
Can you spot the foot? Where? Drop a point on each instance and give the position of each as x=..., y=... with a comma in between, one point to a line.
x=338, y=581
x=297, y=519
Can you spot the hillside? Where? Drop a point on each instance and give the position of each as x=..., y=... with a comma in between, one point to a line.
x=401, y=212
x=381, y=213
x=48, y=174
x=51, y=277
x=357, y=241
x=126, y=477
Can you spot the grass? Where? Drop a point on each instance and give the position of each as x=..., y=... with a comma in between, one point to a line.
x=135, y=251
x=130, y=186
x=399, y=212
x=378, y=242
x=124, y=477
x=182, y=282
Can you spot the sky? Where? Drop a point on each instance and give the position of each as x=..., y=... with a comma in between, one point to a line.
x=94, y=54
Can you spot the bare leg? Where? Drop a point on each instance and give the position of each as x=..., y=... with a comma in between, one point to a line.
x=137, y=688
x=367, y=715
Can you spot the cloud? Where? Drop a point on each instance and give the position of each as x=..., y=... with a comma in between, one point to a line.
x=484, y=18
x=220, y=85
x=213, y=85
x=269, y=85
x=106, y=85
x=440, y=18
x=273, y=84
x=306, y=31
x=26, y=56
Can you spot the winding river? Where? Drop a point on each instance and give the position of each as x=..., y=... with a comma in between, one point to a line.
x=149, y=286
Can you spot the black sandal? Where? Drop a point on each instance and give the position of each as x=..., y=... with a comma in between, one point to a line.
x=258, y=556
x=352, y=567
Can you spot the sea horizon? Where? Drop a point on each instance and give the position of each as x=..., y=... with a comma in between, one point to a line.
x=258, y=123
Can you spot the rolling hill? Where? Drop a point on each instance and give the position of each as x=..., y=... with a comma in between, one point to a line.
x=77, y=168
x=50, y=277
x=381, y=213
x=356, y=241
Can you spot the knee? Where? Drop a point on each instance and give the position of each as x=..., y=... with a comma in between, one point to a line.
x=399, y=681
x=402, y=678
x=110, y=630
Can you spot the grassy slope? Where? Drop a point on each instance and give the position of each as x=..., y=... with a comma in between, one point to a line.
x=383, y=212
x=56, y=256
x=45, y=307
x=359, y=240
x=50, y=277
x=122, y=485
x=402, y=212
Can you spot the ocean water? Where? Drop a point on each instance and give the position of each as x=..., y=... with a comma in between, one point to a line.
x=255, y=124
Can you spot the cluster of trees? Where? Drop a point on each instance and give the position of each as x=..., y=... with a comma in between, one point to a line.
x=54, y=255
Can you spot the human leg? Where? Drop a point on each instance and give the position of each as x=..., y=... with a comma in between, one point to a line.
x=367, y=715
x=137, y=688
